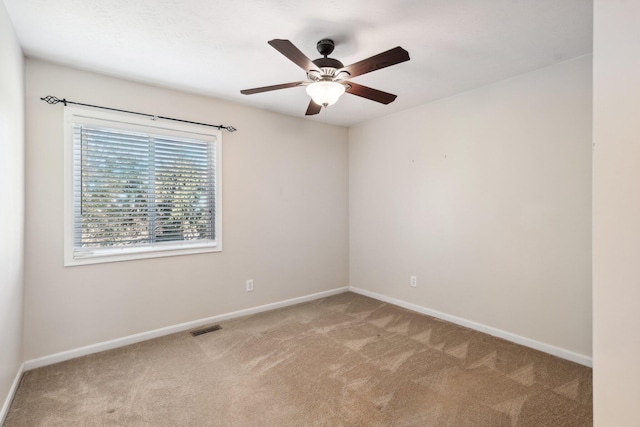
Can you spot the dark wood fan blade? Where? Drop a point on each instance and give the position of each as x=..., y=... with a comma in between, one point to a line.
x=385, y=59
x=287, y=48
x=268, y=88
x=370, y=93
x=313, y=108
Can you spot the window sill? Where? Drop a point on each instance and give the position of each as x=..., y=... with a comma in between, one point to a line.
x=99, y=256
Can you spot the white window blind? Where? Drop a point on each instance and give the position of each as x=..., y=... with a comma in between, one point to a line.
x=138, y=191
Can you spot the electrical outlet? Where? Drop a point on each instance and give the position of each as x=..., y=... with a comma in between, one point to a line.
x=413, y=281
x=250, y=285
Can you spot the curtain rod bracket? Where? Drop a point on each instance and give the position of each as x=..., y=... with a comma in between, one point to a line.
x=49, y=99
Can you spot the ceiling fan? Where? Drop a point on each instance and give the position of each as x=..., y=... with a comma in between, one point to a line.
x=328, y=78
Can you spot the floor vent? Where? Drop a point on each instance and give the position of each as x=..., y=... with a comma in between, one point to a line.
x=205, y=330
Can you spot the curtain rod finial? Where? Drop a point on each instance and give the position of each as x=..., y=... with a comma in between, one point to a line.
x=52, y=100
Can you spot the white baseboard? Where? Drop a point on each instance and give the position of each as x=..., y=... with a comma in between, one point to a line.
x=537, y=345
x=132, y=339
x=12, y=392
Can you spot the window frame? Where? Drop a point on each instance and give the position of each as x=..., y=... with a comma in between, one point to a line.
x=124, y=121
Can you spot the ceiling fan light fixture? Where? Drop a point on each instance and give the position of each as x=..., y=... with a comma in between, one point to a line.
x=325, y=93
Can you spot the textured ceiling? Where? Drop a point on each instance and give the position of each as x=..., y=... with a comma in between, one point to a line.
x=218, y=47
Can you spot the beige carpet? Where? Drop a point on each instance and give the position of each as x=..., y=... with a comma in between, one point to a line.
x=345, y=360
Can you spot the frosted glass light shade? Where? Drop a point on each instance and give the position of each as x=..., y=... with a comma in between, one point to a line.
x=325, y=93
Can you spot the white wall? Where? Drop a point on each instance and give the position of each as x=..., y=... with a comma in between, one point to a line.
x=486, y=198
x=616, y=213
x=12, y=211
x=285, y=219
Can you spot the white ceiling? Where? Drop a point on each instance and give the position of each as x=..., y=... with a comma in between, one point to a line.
x=218, y=47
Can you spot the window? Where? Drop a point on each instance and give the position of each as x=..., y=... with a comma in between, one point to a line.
x=139, y=188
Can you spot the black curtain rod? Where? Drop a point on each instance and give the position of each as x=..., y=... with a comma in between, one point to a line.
x=53, y=100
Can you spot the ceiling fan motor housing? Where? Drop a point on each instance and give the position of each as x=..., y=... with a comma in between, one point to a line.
x=327, y=66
